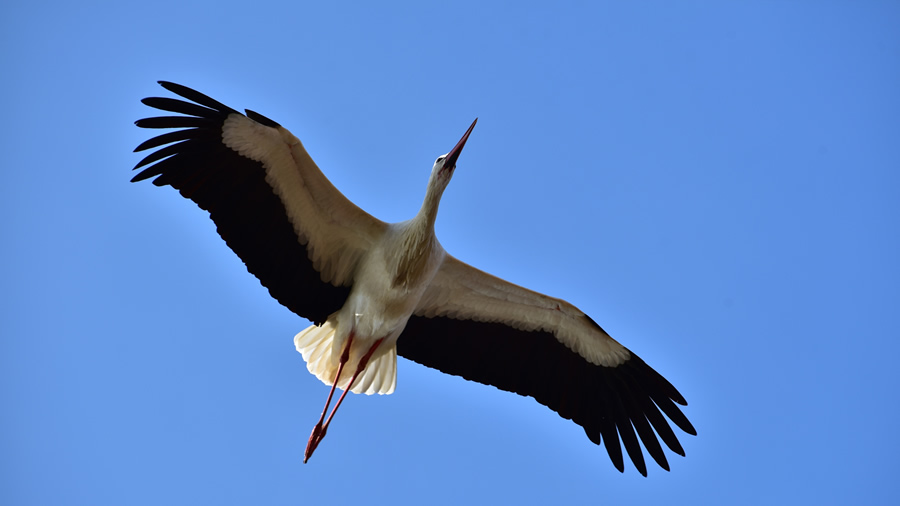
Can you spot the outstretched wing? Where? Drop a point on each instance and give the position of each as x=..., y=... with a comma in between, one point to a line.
x=488, y=330
x=270, y=202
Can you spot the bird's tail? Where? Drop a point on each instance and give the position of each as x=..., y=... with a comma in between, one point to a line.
x=379, y=377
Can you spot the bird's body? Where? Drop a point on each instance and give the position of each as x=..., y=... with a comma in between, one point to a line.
x=375, y=290
x=380, y=303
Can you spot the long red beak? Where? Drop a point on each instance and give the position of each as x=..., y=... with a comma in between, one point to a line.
x=454, y=153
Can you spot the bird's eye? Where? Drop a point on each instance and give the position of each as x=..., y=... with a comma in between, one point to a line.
x=439, y=159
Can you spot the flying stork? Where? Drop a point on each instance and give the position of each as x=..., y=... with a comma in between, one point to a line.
x=375, y=290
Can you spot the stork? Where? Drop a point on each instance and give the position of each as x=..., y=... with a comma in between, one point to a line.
x=376, y=290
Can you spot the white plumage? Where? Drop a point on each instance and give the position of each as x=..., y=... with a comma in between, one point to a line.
x=315, y=344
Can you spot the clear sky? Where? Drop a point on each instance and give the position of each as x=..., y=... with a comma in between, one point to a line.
x=716, y=183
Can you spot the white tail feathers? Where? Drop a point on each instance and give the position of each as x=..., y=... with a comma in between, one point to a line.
x=379, y=377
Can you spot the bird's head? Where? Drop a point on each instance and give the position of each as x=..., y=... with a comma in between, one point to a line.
x=446, y=164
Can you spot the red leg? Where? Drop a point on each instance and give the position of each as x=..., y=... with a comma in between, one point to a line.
x=318, y=432
x=311, y=446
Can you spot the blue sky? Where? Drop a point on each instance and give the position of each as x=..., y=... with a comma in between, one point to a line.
x=714, y=183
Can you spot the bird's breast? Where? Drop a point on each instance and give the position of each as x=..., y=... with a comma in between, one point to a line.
x=388, y=287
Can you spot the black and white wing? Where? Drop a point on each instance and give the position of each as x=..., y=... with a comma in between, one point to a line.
x=270, y=202
x=475, y=325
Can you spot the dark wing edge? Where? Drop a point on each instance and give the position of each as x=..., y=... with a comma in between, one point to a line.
x=626, y=402
x=248, y=214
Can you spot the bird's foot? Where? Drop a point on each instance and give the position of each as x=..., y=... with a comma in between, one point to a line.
x=318, y=433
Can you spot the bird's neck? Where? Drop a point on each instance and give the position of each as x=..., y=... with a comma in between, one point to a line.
x=417, y=239
x=427, y=214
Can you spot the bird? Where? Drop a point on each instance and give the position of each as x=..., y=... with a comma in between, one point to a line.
x=374, y=291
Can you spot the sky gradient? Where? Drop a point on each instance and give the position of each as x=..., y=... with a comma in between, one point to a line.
x=715, y=184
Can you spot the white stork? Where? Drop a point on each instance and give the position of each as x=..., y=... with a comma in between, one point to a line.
x=375, y=290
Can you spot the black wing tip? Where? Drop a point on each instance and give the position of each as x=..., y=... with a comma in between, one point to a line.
x=663, y=393
x=197, y=114
x=144, y=174
x=259, y=118
x=178, y=89
x=663, y=385
x=676, y=396
x=196, y=97
x=635, y=380
x=173, y=87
